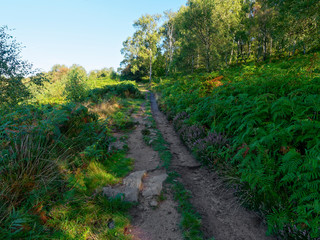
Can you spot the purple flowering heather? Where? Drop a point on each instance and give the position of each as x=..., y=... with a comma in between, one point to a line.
x=207, y=148
x=181, y=116
x=179, y=119
x=205, y=145
x=190, y=134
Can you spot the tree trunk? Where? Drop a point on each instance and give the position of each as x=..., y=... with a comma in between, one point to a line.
x=208, y=57
x=198, y=59
x=270, y=54
x=167, y=66
x=294, y=47
x=238, y=51
x=150, y=65
x=231, y=54
x=192, y=64
x=170, y=34
x=264, y=48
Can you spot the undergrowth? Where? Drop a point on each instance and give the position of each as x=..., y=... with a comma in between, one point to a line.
x=259, y=124
x=54, y=160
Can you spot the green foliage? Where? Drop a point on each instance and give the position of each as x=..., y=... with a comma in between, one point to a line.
x=191, y=222
x=260, y=124
x=53, y=158
x=74, y=78
x=140, y=50
x=76, y=88
x=206, y=35
x=13, y=69
x=103, y=73
x=122, y=89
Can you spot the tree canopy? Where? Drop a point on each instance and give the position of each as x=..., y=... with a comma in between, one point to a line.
x=13, y=70
x=207, y=35
x=140, y=49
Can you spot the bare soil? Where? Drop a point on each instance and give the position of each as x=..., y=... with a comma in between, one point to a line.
x=150, y=222
x=222, y=215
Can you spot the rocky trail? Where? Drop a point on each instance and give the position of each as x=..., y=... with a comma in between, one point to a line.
x=153, y=218
x=156, y=216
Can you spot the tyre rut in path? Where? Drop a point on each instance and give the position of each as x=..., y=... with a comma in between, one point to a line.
x=152, y=219
x=222, y=216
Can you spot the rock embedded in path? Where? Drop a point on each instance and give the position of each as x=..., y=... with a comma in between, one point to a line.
x=112, y=192
x=130, y=189
x=131, y=194
x=153, y=185
x=134, y=179
x=153, y=203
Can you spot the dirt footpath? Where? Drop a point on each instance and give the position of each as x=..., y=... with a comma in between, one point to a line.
x=222, y=216
x=155, y=217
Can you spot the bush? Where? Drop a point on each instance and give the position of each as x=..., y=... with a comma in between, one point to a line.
x=12, y=70
x=76, y=88
x=122, y=89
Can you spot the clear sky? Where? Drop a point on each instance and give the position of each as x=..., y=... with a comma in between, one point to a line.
x=85, y=32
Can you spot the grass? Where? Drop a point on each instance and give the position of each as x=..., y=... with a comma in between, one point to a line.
x=106, y=108
x=54, y=161
x=88, y=218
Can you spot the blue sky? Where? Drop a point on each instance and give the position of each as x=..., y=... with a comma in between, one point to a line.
x=85, y=32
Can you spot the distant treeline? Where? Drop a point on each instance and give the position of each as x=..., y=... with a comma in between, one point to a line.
x=207, y=35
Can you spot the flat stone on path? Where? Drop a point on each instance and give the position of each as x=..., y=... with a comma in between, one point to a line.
x=130, y=189
x=111, y=192
x=153, y=203
x=131, y=194
x=134, y=179
x=153, y=185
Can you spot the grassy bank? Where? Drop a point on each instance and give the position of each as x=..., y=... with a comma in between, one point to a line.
x=56, y=155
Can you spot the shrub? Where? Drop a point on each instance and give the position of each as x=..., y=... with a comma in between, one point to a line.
x=12, y=70
x=76, y=88
x=123, y=89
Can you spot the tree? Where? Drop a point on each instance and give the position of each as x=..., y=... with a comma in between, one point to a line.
x=212, y=34
x=58, y=73
x=76, y=87
x=199, y=20
x=299, y=28
x=140, y=50
x=13, y=70
x=169, y=38
x=205, y=32
x=186, y=55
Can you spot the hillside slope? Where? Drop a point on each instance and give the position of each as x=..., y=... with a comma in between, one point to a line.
x=259, y=124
